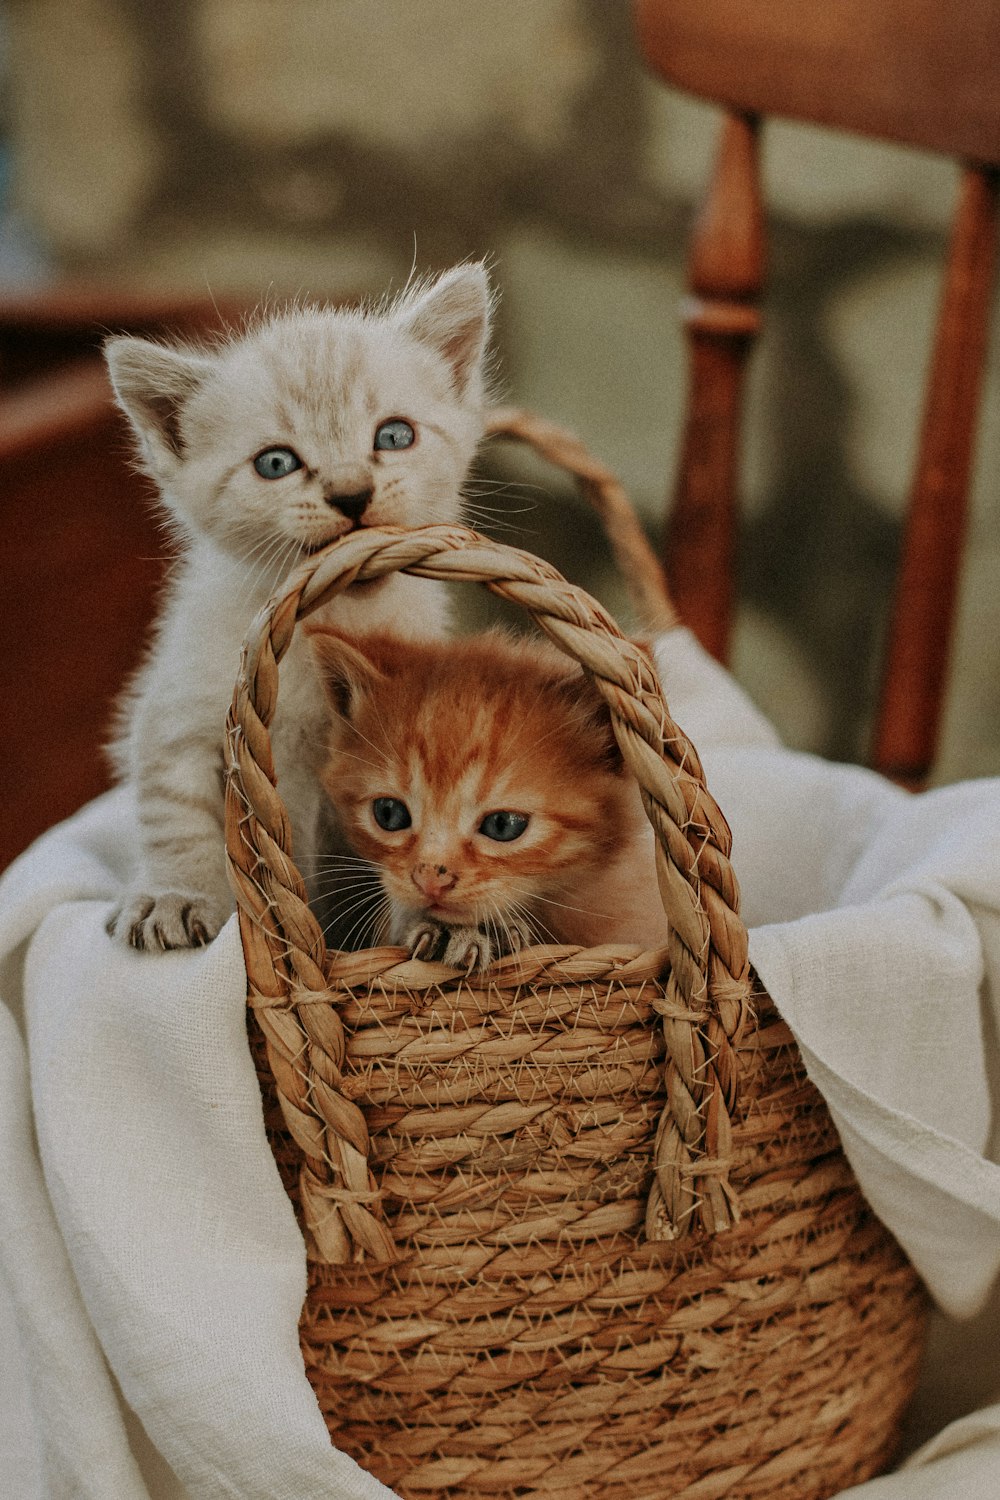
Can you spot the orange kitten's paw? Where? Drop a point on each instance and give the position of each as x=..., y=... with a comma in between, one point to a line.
x=426, y=939
x=168, y=919
x=470, y=948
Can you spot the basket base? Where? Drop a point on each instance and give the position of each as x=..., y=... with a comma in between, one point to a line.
x=510, y=1353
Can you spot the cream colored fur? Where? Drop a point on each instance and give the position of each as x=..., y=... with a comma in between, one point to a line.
x=319, y=382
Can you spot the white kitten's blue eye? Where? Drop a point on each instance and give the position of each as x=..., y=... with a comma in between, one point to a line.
x=504, y=827
x=275, y=463
x=391, y=814
x=394, y=434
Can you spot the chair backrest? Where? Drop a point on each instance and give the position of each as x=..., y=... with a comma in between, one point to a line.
x=911, y=71
x=84, y=554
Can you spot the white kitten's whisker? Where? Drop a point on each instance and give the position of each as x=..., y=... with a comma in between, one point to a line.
x=532, y=744
x=381, y=760
x=320, y=741
x=364, y=759
x=496, y=515
x=519, y=488
x=271, y=556
x=391, y=743
x=298, y=381
x=483, y=520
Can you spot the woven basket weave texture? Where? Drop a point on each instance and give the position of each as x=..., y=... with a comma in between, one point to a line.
x=580, y=1227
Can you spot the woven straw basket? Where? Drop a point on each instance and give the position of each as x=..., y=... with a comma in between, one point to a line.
x=581, y=1226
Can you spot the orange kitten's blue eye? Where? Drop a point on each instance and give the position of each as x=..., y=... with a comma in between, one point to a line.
x=391, y=814
x=394, y=434
x=275, y=463
x=503, y=826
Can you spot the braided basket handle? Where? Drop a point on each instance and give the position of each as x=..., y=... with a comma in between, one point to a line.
x=705, y=1003
x=604, y=492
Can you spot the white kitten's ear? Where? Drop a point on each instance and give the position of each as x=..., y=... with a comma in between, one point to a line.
x=152, y=383
x=346, y=670
x=453, y=317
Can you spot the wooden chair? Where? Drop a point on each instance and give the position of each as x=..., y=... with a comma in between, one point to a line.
x=84, y=555
x=910, y=71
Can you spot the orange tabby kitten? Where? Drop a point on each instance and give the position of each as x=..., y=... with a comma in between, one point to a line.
x=480, y=780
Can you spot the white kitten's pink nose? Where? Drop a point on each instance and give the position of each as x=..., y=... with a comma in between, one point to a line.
x=433, y=881
x=352, y=506
x=348, y=488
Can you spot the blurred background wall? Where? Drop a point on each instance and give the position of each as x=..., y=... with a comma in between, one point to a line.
x=261, y=148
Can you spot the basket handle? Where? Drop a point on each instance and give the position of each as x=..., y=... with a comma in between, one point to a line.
x=604, y=492
x=706, y=1001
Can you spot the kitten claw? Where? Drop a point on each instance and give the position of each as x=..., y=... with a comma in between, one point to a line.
x=470, y=948
x=167, y=920
x=424, y=939
x=421, y=946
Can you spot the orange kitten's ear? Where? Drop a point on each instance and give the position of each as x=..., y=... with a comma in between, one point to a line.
x=600, y=713
x=592, y=714
x=347, y=670
x=152, y=382
x=453, y=317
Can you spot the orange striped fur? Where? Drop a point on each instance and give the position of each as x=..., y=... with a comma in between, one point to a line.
x=456, y=731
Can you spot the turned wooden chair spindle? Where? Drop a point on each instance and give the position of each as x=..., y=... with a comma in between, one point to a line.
x=909, y=71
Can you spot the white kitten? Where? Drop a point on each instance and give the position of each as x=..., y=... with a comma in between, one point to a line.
x=265, y=448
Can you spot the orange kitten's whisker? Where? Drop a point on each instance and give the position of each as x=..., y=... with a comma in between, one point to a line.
x=367, y=897
x=339, y=866
x=532, y=921
x=366, y=922
x=382, y=926
x=336, y=888
x=333, y=857
x=494, y=737
x=355, y=870
x=585, y=911
x=363, y=911
x=341, y=869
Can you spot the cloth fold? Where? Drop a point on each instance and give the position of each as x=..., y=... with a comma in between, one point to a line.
x=149, y=1260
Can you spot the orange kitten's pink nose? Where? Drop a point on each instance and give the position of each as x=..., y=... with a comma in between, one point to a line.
x=433, y=881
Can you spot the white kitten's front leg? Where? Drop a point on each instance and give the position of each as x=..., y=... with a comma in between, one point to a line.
x=181, y=897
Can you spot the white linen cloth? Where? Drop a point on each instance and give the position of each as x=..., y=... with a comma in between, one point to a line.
x=150, y=1263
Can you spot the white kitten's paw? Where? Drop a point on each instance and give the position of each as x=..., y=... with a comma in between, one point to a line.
x=470, y=948
x=154, y=923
